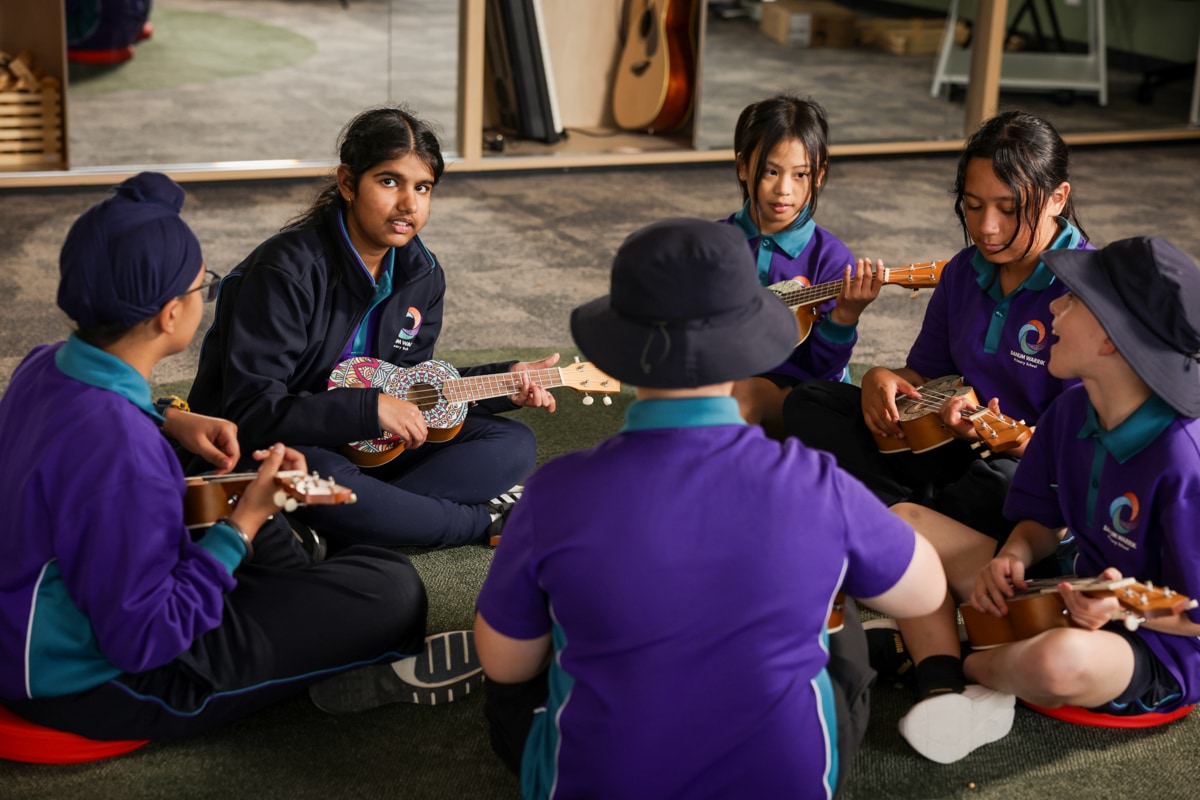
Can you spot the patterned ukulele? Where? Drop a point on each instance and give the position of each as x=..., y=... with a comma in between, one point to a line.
x=443, y=396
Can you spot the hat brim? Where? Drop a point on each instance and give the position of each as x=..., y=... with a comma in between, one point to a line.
x=1167, y=372
x=699, y=353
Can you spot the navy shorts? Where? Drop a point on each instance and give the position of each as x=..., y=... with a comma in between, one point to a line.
x=1152, y=686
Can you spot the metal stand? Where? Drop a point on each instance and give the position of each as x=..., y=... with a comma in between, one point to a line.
x=1051, y=72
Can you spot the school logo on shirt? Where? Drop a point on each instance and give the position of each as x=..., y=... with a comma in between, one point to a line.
x=1034, y=326
x=412, y=326
x=1032, y=338
x=1124, y=506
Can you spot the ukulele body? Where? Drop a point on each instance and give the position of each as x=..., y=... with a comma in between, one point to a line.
x=923, y=427
x=420, y=385
x=1026, y=618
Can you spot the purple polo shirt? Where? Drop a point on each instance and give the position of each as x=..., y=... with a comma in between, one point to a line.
x=1131, y=496
x=998, y=344
x=99, y=576
x=804, y=251
x=685, y=569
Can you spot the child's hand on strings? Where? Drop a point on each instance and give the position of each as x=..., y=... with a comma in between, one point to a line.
x=995, y=583
x=858, y=290
x=257, y=503
x=213, y=439
x=1091, y=613
x=532, y=394
x=402, y=419
x=954, y=414
x=879, y=388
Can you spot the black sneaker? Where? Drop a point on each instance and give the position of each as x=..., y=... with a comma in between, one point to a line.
x=500, y=507
x=886, y=651
x=446, y=671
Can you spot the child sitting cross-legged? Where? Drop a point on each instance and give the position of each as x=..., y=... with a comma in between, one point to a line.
x=1116, y=464
x=665, y=594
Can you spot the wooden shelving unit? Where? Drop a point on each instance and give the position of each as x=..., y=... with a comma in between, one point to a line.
x=33, y=125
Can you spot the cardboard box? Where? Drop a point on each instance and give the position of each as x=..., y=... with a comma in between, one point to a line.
x=808, y=23
x=905, y=37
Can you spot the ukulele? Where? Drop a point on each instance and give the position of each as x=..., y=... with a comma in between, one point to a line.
x=924, y=430
x=436, y=388
x=209, y=497
x=1040, y=607
x=804, y=298
x=656, y=74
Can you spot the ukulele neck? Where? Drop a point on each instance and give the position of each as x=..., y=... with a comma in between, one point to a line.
x=500, y=384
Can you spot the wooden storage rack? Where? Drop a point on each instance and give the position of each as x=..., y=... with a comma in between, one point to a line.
x=31, y=129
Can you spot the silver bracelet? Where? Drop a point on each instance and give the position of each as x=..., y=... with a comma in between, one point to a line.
x=241, y=534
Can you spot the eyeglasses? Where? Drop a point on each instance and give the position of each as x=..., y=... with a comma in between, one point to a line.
x=210, y=286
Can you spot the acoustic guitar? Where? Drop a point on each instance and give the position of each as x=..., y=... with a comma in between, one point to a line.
x=924, y=430
x=804, y=298
x=656, y=74
x=442, y=395
x=1040, y=607
x=210, y=497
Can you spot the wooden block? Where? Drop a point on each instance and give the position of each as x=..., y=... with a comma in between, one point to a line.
x=31, y=129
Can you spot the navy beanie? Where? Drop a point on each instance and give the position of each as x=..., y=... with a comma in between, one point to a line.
x=128, y=255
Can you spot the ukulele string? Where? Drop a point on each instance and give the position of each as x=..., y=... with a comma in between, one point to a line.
x=501, y=382
x=813, y=294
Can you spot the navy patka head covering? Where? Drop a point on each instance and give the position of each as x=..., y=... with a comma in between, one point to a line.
x=129, y=254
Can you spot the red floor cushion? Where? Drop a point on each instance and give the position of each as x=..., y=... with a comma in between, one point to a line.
x=1081, y=716
x=25, y=741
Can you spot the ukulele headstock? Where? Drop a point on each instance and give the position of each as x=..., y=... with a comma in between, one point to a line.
x=295, y=488
x=1150, y=601
x=586, y=377
x=923, y=275
x=999, y=433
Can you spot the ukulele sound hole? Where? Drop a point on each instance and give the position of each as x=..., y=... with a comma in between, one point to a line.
x=423, y=395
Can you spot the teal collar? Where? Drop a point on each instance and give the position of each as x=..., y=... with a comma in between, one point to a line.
x=690, y=412
x=791, y=240
x=384, y=287
x=1041, y=277
x=1134, y=434
x=79, y=360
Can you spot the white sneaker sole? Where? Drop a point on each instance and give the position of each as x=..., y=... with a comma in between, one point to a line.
x=948, y=727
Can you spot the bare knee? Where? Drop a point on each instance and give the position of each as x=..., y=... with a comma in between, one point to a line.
x=1058, y=664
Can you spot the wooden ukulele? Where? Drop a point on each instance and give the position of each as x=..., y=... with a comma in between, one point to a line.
x=924, y=430
x=209, y=497
x=436, y=388
x=656, y=74
x=1040, y=607
x=804, y=298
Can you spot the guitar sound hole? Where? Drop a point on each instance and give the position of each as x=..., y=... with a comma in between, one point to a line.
x=423, y=395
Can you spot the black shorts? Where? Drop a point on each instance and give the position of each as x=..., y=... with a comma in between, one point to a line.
x=1152, y=686
x=780, y=380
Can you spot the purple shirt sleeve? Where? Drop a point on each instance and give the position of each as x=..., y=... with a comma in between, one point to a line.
x=511, y=600
x=879, y=545
x=134, y=572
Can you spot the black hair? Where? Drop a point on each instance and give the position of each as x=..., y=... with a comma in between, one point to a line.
x=374, y=136
x=104, y=335
x=763, y=125
x=1029, y=157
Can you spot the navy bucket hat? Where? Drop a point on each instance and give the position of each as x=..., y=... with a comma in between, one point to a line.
x=685, y=310
x=1145, y=292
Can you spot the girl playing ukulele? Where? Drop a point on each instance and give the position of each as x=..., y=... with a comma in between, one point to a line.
x=352, y=277
x=988, y=321
x=782, y=161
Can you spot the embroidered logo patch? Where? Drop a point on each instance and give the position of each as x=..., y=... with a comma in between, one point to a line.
x=1039, y=344
x=412, y=325
x=1118, y=506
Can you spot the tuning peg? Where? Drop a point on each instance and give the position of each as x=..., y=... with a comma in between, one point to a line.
x=1132, y=622
x=280, y=497
x=576, y=359
x=588, y=399
x=607, y=400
